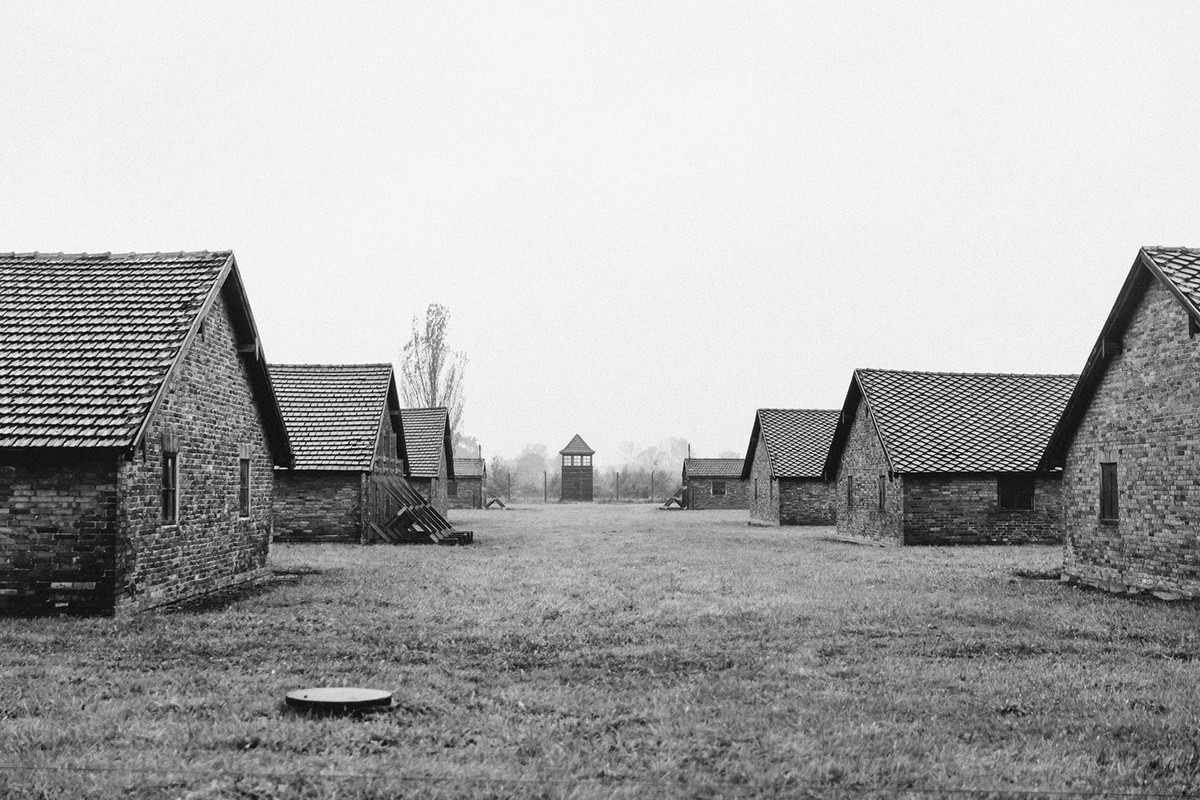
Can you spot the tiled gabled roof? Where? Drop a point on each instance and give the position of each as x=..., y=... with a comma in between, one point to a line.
x=333, y=411
x=962, y=422
x=577, y=447
x=426, y=439
x=797, y=440
x=713, y=468
x=1178, y=269
x=468, y=468
x=87, y=342
x=1181, y=267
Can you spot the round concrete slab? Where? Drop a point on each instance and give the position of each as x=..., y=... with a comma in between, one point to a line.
x=339, y=699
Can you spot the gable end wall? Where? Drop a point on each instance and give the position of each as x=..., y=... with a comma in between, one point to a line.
x=209, y=406
x=1144, y=416
x=863, y=460
x=806, y=501
x=762, y=490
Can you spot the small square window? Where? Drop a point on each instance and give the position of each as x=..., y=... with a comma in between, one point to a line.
x=1015, y=491
x=718, y=488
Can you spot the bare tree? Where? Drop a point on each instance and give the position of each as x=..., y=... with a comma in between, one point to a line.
x=431, y=373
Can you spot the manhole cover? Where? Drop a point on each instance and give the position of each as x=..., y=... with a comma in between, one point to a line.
x=339, y=699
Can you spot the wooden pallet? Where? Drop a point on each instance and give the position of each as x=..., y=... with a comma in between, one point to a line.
x=676, y=501
x=415, y=521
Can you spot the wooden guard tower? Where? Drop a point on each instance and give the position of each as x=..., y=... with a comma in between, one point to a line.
x=577, y=471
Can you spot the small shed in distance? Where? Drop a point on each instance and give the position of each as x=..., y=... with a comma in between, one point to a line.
x=715, y=483
x=466, y=490
x=577, y=471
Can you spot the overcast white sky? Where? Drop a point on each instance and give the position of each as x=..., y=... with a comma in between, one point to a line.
x=647, y=219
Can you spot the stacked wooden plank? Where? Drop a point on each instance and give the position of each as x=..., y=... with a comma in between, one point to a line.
x=415, y=521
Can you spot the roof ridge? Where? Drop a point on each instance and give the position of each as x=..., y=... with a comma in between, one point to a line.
x=971, y=374
x=779, y=408
x=1180, y=248
x=108, y=255
x=373, y=365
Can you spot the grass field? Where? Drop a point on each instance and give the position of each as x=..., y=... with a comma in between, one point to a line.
x=617, y=651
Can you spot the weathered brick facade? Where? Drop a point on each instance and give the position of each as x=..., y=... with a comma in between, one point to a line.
x=83, y=531
x=319, y=506
x=58, y=530
x=700, y=493
x=1144, y=416
x=965, y=509
x=806, y=501
x=863, y=461
x=467, y=492
x=211, y=407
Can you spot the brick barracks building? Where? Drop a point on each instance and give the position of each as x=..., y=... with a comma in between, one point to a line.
x=343, y=421
x=947, y=458
x=783, y=467
x=1129, y=441
x=138, y=431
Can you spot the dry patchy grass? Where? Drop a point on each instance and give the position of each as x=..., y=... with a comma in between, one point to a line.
x=616, y=651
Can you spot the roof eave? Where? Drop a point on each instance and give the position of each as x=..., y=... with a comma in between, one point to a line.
x=755, y=437
x=249, y=347
x=1101, y=354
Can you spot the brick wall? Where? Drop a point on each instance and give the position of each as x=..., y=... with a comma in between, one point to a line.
x=210, y=408
x=807, y=501
x=329, y=505
x=468, y=493
x=761, y=490
x=318, y=506
x=965, y=509
x=857, y=489
x=1144, y=417
x=737, y=493
x=58, y=526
